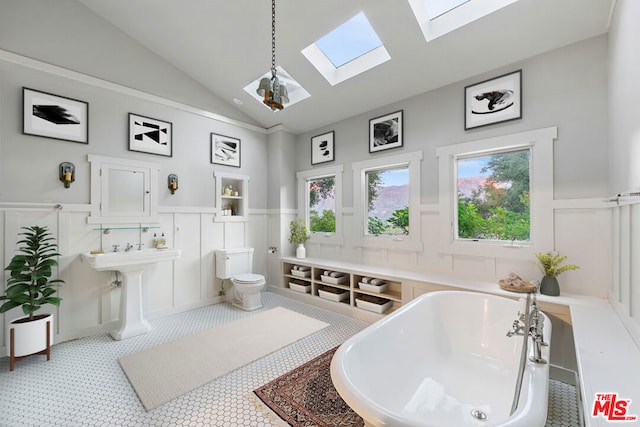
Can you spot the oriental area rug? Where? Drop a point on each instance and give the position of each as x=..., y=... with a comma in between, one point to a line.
x=306, y=396
x=162, y=373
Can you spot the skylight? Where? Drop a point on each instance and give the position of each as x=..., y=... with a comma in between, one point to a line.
x=439, y=17
x=349, y=41
x=435, y=8
x=296, y=92
x=348, y=50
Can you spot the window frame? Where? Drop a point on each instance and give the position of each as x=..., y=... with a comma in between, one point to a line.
x=540, y=144
x=411, y=242
x=303, y=177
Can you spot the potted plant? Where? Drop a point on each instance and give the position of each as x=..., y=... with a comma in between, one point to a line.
x=549, y=264
x=30, y=287
x=299, y=236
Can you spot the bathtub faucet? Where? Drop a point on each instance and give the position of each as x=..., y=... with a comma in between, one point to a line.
x=535, y=332
x=532, y=320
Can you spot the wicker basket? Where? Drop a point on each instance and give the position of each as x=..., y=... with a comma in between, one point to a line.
x=524, y=289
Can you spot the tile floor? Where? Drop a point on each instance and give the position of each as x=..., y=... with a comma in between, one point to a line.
x=83, y=384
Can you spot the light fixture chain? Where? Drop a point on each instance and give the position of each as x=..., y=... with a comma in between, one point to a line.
x=273, y=37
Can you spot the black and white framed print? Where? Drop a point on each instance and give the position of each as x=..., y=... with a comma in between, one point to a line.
x=322, y=150
x=152, y=136
x=225, y=150
x=55, y=116
x=493, y=101
x=385, y=132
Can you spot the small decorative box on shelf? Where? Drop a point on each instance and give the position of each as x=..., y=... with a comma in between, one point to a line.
x=301, y=271
x=300, y=287
x=373, y=303
x=373, y=285
x=334, y=277
x=333, y=294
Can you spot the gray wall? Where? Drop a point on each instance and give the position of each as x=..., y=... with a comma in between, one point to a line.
x=68, y=34
x=566, y=88
x=624, y=92
x=29, y=163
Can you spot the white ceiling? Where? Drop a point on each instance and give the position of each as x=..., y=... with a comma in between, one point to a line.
x=225, y=44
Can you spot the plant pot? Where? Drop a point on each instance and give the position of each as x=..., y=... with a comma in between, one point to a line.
x=29, y=337
x=550, y=286
x=301, y=252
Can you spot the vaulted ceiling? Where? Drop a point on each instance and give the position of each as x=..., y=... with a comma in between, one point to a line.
x=224, y=45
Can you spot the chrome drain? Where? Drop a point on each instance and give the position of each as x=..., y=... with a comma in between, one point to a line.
x=479, y=415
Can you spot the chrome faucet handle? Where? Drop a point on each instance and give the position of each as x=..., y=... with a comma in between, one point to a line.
x=115, y=248
x=140, y=245
x=128, y=247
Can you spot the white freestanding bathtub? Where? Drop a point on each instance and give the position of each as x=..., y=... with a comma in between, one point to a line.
x=444, y=359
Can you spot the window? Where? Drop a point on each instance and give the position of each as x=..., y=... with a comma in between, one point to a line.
x=496, y=195
x=388, y=201
x=320, y=203
x=386, y=197
x=493, y=196
x=439, y=17
x=350, y=49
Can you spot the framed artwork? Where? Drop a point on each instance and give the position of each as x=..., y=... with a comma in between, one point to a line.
x=225, y=150
x=322, y=148
x=493, y=101
x=385, y=132
x=151, y=136
x=54, y=116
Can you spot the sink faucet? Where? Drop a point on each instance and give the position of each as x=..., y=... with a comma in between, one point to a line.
x=140, y=245
x=129, y=247
x=115, y=248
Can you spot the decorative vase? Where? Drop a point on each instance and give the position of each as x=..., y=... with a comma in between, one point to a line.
x=550, y=286
x=26, y=338
x=301, y=252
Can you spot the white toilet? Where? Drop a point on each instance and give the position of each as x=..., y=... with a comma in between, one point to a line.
x=236, y=264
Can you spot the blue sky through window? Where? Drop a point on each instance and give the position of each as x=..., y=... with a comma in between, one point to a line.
x=471, y=167
x=349, y=41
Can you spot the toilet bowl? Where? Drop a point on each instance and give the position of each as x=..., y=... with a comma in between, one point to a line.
x=236, y=264
x=247, y=291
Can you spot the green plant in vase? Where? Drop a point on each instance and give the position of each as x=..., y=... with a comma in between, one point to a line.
x=30, y=287
x=299, y=235
x=550, y=265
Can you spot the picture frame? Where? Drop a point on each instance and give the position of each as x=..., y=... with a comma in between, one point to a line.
x=492, y=101
x=151, y=136
x=385, y=132
x=54, y=116
x=225, y=150
x=322, y=148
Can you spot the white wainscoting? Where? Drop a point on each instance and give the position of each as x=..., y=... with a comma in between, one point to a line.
x=90, y=303
x=625, y=287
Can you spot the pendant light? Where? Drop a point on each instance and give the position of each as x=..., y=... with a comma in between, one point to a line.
x=274, y=93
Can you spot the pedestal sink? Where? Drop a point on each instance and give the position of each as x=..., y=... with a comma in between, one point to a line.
x=131, y=264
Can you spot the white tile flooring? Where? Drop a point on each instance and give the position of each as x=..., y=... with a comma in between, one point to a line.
x=83, y=384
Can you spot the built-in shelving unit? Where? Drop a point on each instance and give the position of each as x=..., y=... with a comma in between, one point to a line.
x=360, y=291
x=232, y=197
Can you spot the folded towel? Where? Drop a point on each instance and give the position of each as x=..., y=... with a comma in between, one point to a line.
x=514, y=280
x=336, y=274
x=365, y=279
x=303, y=268
x=326, y=273
x=377, y=282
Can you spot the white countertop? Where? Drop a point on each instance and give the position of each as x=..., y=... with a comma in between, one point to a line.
x=608, y=358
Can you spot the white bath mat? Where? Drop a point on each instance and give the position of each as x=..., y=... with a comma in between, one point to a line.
x=162, y=373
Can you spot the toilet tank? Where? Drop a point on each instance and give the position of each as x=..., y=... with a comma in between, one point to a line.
x=231, y=262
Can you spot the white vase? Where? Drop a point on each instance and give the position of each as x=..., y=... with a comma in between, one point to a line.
x=301, y=252
x=29, y=337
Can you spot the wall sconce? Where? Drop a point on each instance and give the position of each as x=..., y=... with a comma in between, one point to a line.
x=67, y=173
x=172, y=181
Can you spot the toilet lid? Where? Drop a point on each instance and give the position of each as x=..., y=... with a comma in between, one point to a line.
x=248, y=278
